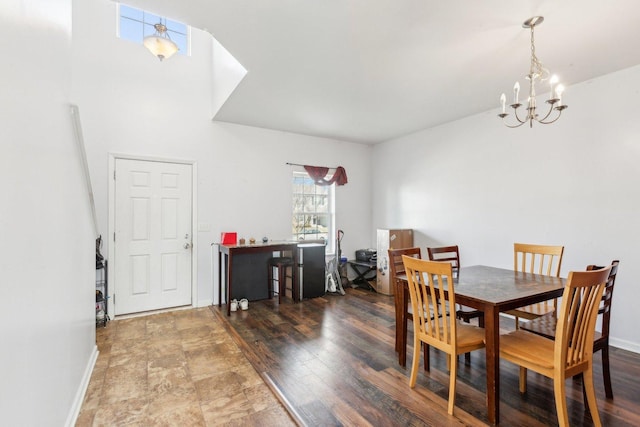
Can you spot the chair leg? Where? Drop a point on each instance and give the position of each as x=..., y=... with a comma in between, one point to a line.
x=416, y=360
x=452, y=382
x=587, y=381
x=523, y=380
x=580, y=379
x=426, y=357
x=395, y=301
x=294, y=294
x=517, y=323
x=559, y=392
x=270, y=285
x=606, y=373
x=467, y=355
x=282, y=282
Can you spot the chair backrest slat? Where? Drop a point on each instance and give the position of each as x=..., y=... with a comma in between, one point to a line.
x=605, y=306
x=395, y=259
x=578, y=312
x=537, y=259
x=396, y=265
x=446, y=253
x=430, y=300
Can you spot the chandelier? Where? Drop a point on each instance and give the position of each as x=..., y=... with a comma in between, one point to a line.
x=537, y=73
x=160, y=44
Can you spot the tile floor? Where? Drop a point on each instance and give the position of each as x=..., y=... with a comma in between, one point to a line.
x=175, y=368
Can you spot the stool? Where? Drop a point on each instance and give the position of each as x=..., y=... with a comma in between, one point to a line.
x=283, y=264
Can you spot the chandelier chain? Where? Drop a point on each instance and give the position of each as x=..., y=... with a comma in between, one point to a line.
x=537, y=69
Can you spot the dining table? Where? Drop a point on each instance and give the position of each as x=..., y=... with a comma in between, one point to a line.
x=491, y=290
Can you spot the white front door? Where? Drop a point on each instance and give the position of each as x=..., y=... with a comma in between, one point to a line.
x=153, y=202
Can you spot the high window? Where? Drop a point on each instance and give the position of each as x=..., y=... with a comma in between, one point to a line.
x=313, y=210
x=136, y=24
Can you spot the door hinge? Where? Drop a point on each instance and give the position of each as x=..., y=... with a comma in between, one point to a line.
x=114, y=175
x=114, y=298
x=114, y=236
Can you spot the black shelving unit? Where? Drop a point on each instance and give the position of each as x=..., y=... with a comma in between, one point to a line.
x=102, y=294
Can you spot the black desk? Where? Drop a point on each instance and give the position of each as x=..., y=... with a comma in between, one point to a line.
x=362, y=268
x=245, y=270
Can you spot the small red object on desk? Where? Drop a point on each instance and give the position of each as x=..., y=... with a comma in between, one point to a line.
x=228, y=238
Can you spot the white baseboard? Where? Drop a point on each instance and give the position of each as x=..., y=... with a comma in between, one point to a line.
x=625, y=345
x=204, y=303
x=82, y=389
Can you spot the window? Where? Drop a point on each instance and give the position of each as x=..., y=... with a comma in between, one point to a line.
x=135, y=24
x=313, y=210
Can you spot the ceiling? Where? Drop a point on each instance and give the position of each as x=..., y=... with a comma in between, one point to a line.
x=371, y=70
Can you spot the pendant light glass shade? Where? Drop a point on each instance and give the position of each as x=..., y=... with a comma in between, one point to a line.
x=160, y=44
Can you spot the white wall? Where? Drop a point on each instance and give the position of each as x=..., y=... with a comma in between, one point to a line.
x=47, y=259
x=483, y=186
x=133, y=104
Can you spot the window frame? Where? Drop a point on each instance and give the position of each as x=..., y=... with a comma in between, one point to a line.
x=300, y=193
x=147, y=27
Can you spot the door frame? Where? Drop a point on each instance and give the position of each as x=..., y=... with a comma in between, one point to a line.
x=112, y=217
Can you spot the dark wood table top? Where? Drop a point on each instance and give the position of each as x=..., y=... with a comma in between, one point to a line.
x=480, y=284
x=503, y=287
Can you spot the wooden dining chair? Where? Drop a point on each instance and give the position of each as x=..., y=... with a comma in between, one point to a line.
x=571, y=352
x=433, y=323
x=537, y=259
x=546, y=326
x=452, y=254
x=396, y=266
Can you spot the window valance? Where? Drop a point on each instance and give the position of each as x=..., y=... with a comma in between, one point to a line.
x=319, y=174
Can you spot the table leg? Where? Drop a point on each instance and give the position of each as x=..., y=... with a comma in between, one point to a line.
x=401, y=328
x=492, y=351
x=398, y=313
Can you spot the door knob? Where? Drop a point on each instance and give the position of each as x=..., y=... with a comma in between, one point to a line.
x=187, y=245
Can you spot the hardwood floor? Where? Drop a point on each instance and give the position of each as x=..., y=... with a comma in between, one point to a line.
x=333, y=362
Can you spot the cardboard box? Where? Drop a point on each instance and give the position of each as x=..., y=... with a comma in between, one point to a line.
x=389, y=239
